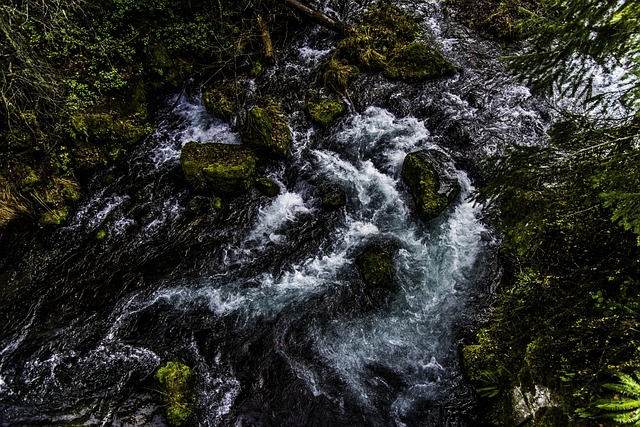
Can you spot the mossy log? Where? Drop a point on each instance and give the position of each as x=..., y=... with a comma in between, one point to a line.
x=220, y=168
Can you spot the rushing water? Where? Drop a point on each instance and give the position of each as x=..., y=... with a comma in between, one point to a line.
x=262, y=298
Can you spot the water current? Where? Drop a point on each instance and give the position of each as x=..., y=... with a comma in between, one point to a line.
x=262, y=298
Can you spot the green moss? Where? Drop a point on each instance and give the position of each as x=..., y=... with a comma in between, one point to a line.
x=267, y=129
x=385, y=42
x=423, y=182
x=101, y=234
x=417, y=61
x=175, y=380
x=221, y=168
x=325, y=111
x=333, y=197
x=267, y=187
x=106, y=128
x=375, y=267
x=338, y=75
x=54, y=217
x=216, y=203
x=221, y=101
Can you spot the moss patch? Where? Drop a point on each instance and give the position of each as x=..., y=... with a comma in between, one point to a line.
x=424, y=184
x=325, y=111
x=267, y=129
x=338, y=75
x=386, y=42
x=375, y=267
x=417, y=61
x=175, y=380
x=221, y=168
x=221, y=101
x=333, y=197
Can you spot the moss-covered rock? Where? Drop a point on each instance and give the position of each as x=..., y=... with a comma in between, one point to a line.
x=221, y=101
x=417, y=61
x=338, y=75
x=333, y=197
x=375, y=267
x=106, y=129
x=267, y=187
x=58, y=197
x=267, y=130
x=424, y=182
x=175, y=381
x=220, y=168
x=386, y=42
x=325, y=111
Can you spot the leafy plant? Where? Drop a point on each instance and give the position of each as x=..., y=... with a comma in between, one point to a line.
x=624, y=406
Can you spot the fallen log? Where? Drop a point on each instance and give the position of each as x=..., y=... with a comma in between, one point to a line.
x=318, y=17
x=269, y=55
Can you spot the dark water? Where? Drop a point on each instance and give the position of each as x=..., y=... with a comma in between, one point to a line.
x=262, y=298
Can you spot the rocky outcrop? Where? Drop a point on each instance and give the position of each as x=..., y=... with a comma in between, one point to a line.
x=219, y=168
x=431, y=189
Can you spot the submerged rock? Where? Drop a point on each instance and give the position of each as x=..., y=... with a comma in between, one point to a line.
x=375, y=267
x=432, y=191
x=220, y=168
x=333, y=197
x=267, y=130
x=267, y=187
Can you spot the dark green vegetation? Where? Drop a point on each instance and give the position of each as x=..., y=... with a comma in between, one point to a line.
x=78, y=76
x=325, y=111
x=375, y=267
x=505, y=20
x=385, y=42
x=424, y=184
x=568, y=313
x=222, y=169
x=176, y=382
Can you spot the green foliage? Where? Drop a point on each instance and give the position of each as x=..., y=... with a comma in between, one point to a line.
x=573, y=35
x=504, y=20
x=624, y=407
x=176, y=380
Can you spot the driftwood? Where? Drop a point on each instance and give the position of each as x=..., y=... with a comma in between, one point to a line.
x=318, y=17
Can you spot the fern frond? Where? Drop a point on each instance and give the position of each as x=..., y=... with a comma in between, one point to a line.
x=627, y=386
x=620, y=404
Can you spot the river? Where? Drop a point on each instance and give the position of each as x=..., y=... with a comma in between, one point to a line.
x=262, y=298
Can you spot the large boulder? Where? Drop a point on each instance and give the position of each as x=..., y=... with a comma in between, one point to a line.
x=267, y=130
x=431, y=189
x=223, y=169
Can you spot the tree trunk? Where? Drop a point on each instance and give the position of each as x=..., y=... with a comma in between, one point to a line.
x=318, y=17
